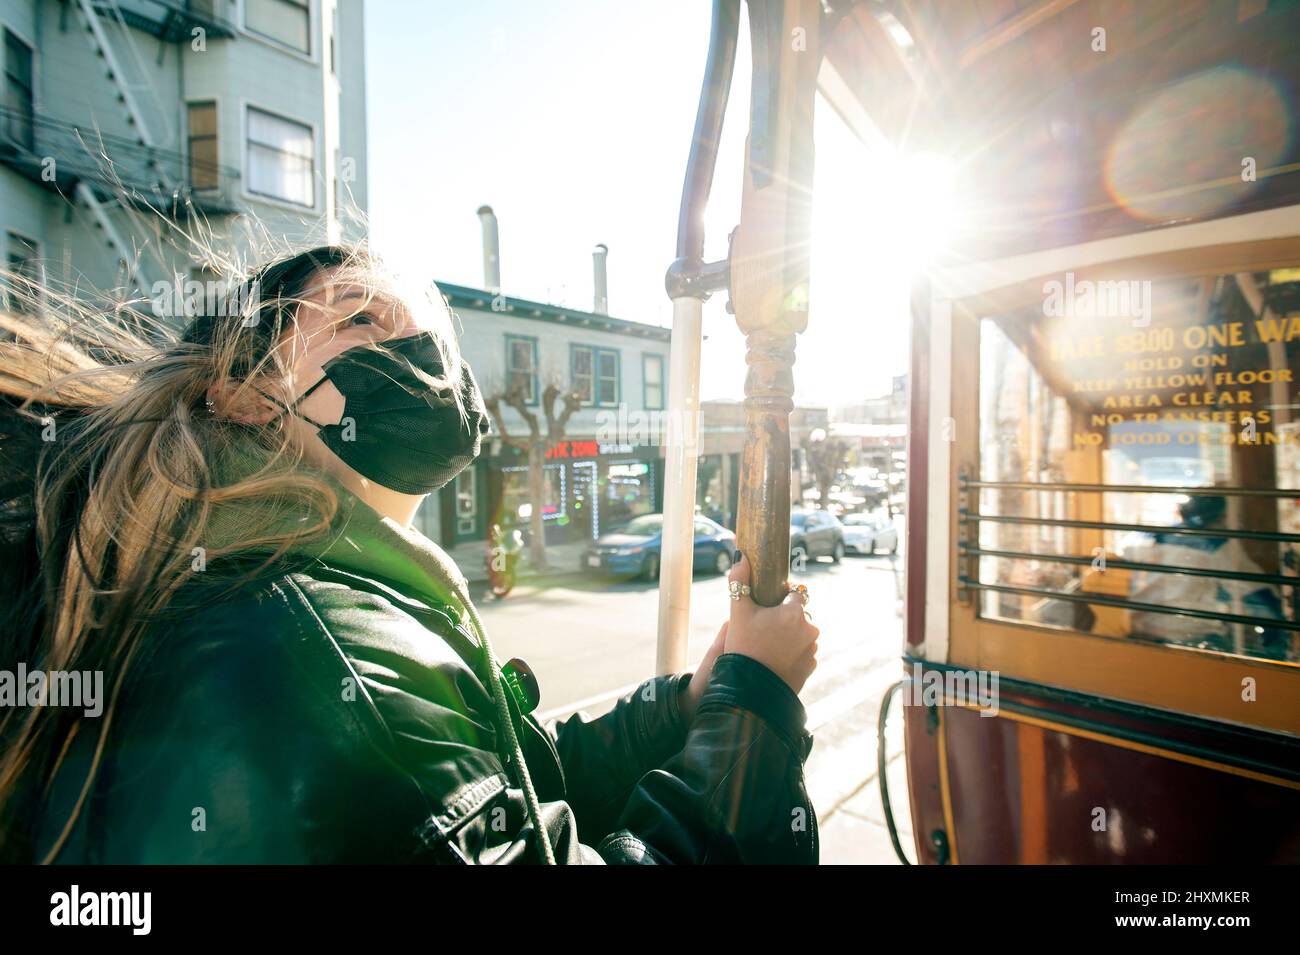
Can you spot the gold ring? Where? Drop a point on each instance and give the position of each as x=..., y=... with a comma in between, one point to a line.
x=738, y=589
x=802, y=591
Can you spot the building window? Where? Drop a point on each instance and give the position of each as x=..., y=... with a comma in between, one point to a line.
x=18, y=101
x=287, y=22
x=652, y=369
x=521, y=365
x=280, y=158
x=203, y=145
x=23, y=283
x=629, y=492
x=595, y=374
x=606, y=377
x=334, y=32
x=582, y=368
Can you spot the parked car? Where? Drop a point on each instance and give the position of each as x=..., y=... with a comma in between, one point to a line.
x=868, y=533
x=814, y=534
x=635, y=548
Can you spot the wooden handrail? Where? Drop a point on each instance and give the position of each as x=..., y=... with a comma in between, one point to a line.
x=769, y=273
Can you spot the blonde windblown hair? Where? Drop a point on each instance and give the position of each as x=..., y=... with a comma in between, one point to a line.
x=113, y=472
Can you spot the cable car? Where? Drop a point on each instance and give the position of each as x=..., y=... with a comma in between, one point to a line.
x=1104, y=427
x=1102, y=658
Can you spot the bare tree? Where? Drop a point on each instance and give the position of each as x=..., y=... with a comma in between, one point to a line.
x=827, y=455
x=534, y=444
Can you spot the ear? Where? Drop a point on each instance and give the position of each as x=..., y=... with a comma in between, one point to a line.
x=241, y=402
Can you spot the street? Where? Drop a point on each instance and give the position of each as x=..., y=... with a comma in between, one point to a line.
x=590, y=640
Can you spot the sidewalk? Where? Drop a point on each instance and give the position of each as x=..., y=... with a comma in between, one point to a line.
x=561, y=559
x=841, y=772
x=852, y=829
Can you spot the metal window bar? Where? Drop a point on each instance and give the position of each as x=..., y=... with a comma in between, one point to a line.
x=966, y=517
x=1123, y=604
x=113, y=165
x=1119, y=564
x=968, y=551
x=968, y=484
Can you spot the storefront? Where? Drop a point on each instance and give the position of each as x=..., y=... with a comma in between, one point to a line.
x=589, y=487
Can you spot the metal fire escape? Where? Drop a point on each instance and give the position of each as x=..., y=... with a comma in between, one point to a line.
x=100, y=172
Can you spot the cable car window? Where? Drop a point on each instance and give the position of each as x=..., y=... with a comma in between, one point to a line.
x=1137, y=443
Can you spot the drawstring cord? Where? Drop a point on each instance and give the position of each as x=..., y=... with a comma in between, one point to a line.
x=506, y=719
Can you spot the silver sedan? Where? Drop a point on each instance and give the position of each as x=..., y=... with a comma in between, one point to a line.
x=869, y=534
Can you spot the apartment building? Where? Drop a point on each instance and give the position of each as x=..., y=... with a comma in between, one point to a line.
x=239, y=119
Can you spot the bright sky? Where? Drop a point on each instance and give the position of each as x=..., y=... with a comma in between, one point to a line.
x=572, y=119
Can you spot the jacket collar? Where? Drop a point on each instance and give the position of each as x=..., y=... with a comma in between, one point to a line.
x=376, y=546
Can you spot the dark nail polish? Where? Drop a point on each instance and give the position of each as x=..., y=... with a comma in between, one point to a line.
x=735, y=558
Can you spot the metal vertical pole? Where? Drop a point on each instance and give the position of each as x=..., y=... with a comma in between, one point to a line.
x=682, y=456
x=689, y=282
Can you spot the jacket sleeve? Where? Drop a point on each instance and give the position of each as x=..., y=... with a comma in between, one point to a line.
x=735, y=792
x=604, y=758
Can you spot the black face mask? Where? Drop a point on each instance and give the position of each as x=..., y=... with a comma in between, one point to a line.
x=400, y=425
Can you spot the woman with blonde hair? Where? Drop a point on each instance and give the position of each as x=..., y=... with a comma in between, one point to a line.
x=219, y=523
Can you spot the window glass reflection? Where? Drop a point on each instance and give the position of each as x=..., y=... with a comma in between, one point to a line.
x=1136, y=387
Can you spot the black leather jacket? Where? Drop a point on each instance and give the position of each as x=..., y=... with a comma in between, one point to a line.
x=336, y=714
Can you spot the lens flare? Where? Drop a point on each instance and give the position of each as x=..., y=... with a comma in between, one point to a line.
x=1189, y=151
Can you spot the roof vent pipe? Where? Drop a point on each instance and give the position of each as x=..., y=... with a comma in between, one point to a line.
x=491, y=250
x=601, y=280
